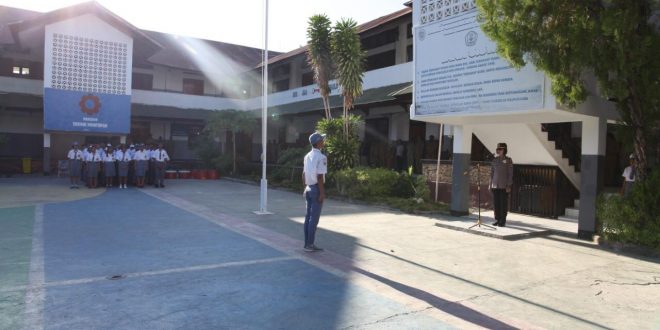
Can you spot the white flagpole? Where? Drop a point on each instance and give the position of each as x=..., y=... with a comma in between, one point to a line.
x=264, y=119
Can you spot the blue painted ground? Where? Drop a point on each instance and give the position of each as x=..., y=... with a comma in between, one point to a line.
x=126, y=231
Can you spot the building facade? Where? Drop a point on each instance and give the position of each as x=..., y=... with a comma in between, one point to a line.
x=173, y=83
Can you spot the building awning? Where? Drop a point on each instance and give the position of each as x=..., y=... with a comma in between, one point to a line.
x=404, y=91
x=370, y=96
x=159, y=111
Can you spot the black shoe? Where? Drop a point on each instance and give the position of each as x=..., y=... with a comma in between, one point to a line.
x=496, y=223
x=155, y=186
x=162, y=186
x=502, y=225
x=316, y=248
x=308, y=248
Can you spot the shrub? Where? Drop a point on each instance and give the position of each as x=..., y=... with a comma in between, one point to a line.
x=289, y=159
x=366, y=183
x=342, y=151
x=634, y=219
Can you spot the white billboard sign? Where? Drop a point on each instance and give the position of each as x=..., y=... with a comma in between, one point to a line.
x=457, y=69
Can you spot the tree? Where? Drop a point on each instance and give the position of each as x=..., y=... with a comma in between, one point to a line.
x=319, y=56
x=235, y=121
x=349, y=60
x=342, y=149
x=617, y=41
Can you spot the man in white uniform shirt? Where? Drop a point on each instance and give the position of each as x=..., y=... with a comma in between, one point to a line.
x=160, y=160
x=315, y=169
x=75, y=157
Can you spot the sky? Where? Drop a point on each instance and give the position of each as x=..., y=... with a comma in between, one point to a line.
x=239, y=22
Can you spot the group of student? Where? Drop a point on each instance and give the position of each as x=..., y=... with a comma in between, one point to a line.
x=94, y=163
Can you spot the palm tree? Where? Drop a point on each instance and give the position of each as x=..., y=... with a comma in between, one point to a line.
x=349, y=59
x=319, y=56
x=230, y=120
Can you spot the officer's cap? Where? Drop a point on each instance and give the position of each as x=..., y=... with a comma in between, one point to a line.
x=316, y=137
x=501, y=145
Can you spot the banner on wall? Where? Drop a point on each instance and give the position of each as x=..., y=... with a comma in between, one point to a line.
x=457, y=68
x=87, y=77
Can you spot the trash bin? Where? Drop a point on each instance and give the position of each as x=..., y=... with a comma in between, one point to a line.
x=27, y=165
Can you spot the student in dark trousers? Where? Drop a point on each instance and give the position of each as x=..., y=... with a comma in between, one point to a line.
x=501, y=180
x=160, y=161
x=75, y=157
x=314, y=171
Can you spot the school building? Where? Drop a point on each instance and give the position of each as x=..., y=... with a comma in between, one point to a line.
x=166, y=86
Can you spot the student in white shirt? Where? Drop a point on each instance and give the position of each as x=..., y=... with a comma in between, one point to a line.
x=92, y=162
x=123, y=161
x=314, y=171
x=160, y=160
x=141, y=162
x=109, y=168
x=629, y=176
x=75, y=157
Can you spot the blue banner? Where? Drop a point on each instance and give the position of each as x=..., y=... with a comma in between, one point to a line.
x=75, y=111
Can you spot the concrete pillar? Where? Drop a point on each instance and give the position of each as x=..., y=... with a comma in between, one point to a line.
x=594, y=131
x=401, y=50
x=46, y=160
x=460, y=186
x=295, y=74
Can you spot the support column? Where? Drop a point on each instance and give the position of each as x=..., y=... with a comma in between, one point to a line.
x=594, y=131
x=122, y=139
x=460, y=183
x=46, y=160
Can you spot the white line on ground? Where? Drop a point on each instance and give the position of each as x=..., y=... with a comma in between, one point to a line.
x=150, y=273
x=34, y=297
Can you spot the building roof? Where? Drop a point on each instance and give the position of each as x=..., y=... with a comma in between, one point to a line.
x=11, y=15
x=153, y=47
x=362, y=28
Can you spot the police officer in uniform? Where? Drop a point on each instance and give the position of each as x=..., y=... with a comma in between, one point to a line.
x=75, y=157
x=314, y=171
x=501, y=180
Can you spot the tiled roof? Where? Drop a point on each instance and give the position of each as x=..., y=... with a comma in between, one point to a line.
x=361, y=28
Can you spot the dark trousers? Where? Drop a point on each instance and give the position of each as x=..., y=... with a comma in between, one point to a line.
x=500, y=204
x=313, y=213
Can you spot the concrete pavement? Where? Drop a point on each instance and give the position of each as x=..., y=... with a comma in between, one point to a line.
x=193, y=255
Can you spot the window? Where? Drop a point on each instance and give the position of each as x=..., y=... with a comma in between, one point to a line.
x=381, y=60
x=308, y=78
x=280, y=85
x=193, y=86
x=409, y=33
x=142, y=81
x=409, y=53
x=381, y=39
x=23, y=71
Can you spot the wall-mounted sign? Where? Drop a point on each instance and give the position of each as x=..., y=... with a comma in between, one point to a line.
x=457, y=68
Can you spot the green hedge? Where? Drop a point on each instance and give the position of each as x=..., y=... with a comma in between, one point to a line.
x=373, y=184
x=634, y=219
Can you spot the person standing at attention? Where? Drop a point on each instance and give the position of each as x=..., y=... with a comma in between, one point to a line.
x=123, y=161
x=141, y=163
x=92, y=162
x=109, y=167
x=314, y=171
x=161, y=158
x=629, y=174
x=75, y=157
x=501, y=180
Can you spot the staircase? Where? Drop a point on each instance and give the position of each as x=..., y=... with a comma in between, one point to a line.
x=571, y=213
x=542, y=144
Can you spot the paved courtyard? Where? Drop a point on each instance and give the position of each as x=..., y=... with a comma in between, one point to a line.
x=194, y=256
